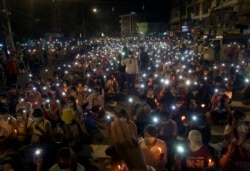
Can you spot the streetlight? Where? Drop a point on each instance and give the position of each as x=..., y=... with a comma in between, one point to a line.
x=94, y=10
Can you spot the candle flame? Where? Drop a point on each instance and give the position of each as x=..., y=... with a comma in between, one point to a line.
x=183, y=118
x=159, y=149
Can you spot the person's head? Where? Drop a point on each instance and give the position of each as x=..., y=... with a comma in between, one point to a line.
x=122, y=113
x=66, y=158
x=3, y=98
x=3, y=111
x=79, y=84
x=21, y=98
x=143, y=98
x=68, y=116
x=201, y=120
x=73, y=91
x=65, y=83
x=195, y=140
x=37, y=115
x=21, y=113
x=96, y=91
x=150, y=134
x=239, y=117
x=130, y=54
x=12, y=161
x=164, y=114
x=71, y=101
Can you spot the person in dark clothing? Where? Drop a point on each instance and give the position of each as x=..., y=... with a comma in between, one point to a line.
x=121, y=69
x=144, y=59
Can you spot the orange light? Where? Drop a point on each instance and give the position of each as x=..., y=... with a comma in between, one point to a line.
x=183, y=118
x=159, y=150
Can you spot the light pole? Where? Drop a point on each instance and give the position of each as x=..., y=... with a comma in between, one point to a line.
x=9, y=40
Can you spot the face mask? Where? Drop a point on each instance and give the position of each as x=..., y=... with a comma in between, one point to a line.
x=13, y=91
x=178, y=105
x=3, y=101
x=150, y=140
x=221, y=93
x=63, y=166
x=73, y=93
x=4, y=116
x=241, y=122
x=247, y=147
x=165, y=122
x=70, y=104
x=68, y=123
x=19, y=118
x=37, y=119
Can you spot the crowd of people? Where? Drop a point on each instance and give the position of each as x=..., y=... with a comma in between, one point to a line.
x=166, y=88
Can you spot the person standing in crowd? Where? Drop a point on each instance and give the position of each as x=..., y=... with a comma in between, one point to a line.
x=131, y=70
x=141, y=114
x=13, y=70
x=143, y=60
x=121, y=68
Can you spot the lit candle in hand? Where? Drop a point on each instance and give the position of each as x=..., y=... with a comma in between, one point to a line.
x=210, y=163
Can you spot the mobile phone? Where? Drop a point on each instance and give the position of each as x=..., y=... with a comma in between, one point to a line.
x=38, y=152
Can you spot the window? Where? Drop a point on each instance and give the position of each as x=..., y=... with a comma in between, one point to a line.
x=205, y=6
x=197, y=9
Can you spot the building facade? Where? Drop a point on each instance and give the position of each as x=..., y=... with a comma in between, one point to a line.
x=211, y=17
x=128, y=24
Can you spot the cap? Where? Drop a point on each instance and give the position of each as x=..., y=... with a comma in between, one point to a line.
x=68, y=115
x=195, y=138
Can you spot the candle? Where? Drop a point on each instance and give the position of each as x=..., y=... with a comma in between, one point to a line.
x=119, y=167
x=210, y=163
x=183, y=118
x=159, y=150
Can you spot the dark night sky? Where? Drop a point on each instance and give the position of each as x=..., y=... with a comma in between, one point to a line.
x=24, y=15
x=157, y=9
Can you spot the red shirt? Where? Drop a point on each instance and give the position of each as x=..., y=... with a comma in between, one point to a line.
x=196, y=161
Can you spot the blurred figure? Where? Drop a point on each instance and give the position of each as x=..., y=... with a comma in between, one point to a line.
x=121, y=68
x=131, y=64
x=95, y=103
x=23, y=124
x=131, y=127
x=202, y=126
x=196, y=156
x=71, y=130
x=141, y=114
x=66, y=160
x=41, y=131
x=13, y=70
x=154, y=150
x=143, y=59
x=237, y=156
x=7, y=125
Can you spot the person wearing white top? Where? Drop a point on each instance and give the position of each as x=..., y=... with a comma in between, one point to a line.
x=131, y=69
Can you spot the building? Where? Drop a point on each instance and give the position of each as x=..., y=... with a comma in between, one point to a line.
x=151, y=28
x=211, y=17
x=128, y=24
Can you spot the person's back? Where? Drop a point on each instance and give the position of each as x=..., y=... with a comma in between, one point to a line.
x=66, y=160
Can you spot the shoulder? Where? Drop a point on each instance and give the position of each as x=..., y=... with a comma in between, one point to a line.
x=55, y=167
x=80, y=167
